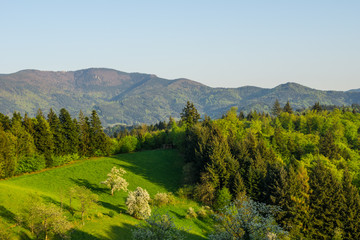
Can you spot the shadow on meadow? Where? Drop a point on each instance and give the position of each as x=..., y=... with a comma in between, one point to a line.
x=94, y=187
x=161, y=167
x=8, y=215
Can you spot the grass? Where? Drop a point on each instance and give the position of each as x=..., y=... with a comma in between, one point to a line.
x=156, y=171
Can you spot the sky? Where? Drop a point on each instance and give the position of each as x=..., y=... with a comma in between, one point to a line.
x=225, y=43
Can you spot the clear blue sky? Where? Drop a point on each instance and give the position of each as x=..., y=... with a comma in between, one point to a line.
x=218, y=43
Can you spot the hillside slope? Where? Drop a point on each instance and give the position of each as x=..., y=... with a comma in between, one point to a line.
x=132, y=98
x=156, y=171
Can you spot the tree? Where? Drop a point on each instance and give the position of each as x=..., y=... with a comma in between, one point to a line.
x=326, y=202
x=57, y=131
x=158, y=227
x=189, y=115
x=288, y=108
x=276, y=109
x=86, y=198
x=223, y=198
x=351, y=214
x=85, y=142
x=138, y=203
x=115, y=181
x=70, y=134
x=316, y=107
x=8, y=159
x=247, y=219
x=45, y=220
x=43, y=138
x=98, y=137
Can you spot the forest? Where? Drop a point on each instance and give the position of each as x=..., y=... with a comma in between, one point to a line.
x=304, y=166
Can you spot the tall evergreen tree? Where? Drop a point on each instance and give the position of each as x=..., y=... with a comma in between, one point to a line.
x=276, y=109
x=189, y=115
x=43, y=138
x=326, y=203
x=85, y=143
x=98, y=138
x=351, y=213
x=288, y=108
x=58, y=133
x=70, y=133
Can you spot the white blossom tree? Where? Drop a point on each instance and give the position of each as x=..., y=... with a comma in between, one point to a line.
x=115, y=181
x=138, y=203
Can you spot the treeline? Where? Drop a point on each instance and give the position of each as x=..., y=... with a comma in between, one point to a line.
x=31, y=144
x=306, y=163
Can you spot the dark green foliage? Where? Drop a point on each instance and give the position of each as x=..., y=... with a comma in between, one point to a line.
x=276, y=109
x=223, y=198
x=287, y=108
x=189, y=115
x=29, y=145
x=69, y=132
x=326, y=202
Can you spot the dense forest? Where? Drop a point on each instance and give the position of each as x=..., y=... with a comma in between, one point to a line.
x=307, y=164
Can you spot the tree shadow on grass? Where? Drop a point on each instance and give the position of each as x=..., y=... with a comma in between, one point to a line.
x=8, y=215
x=92, y=186
x=81, y=235
x=179, y=216
x=116, y=208
x=159, y=167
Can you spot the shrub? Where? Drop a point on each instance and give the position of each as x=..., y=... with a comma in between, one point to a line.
x=115, y=181
x=111, y=214
x=128, y=144
x=62, y=160
x=191, y=213
x=185, y=192
x=138, y=203
x=223, y=198
x=31, y=164
x=158, y=228
x=247, y=219
x=162, y=199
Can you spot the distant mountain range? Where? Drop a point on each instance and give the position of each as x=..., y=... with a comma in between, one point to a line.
x=132, y=98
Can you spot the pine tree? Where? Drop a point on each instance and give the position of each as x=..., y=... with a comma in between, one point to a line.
x=288, y=108
x=351, y=214
x=58, y=134
x=43, y=138
x=85, y=143
x=70, y=134
x=189, y=115
x=276, y=109
x=326, y=203
x=99, y=140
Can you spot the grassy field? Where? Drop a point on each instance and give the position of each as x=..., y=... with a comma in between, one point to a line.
x=156, y=171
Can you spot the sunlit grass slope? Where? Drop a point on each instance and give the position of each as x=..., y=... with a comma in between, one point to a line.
x=156, y=171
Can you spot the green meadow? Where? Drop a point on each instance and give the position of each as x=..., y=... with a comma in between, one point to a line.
x=156, y=171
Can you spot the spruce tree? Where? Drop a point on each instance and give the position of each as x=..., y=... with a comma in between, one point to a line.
x=43, y=138
x=351, y=213
x=189, y=115
x=326, y=203
x=58, y=133
x=276, y=109
x=288, y=108
x=69, y=132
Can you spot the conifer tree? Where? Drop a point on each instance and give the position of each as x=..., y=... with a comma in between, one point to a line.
x=288, y=108
x=43, y=138
x=85, y=143
x=70, y=134
x=351, y=214
x=326, y=203
x=189, y=115
x=58, y=134
x=276, y=109
x=98, y=137
x=24, y=143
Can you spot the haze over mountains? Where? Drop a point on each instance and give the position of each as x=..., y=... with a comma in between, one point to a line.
x=132, y=98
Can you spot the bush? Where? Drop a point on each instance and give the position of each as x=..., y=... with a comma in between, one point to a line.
x=62, y=160
x=158, y=227
x=162, y=199
x=111, y=214
x=204, y=212
x=128, y=144
x=247, y=219
x=31, y=164
x=185, y=192
x=138, y=203
x=223, y=198
x=191, y=213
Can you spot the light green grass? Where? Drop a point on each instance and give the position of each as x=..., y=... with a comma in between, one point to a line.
x=156, y=171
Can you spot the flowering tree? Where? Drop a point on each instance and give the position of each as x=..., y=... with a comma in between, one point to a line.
x=115, y=180
x=138, y=203
x=247, y=219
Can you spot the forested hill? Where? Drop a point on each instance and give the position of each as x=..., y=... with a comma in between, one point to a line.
x=132, y=98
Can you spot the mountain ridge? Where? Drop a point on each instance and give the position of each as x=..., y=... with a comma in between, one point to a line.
x=133, y=98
